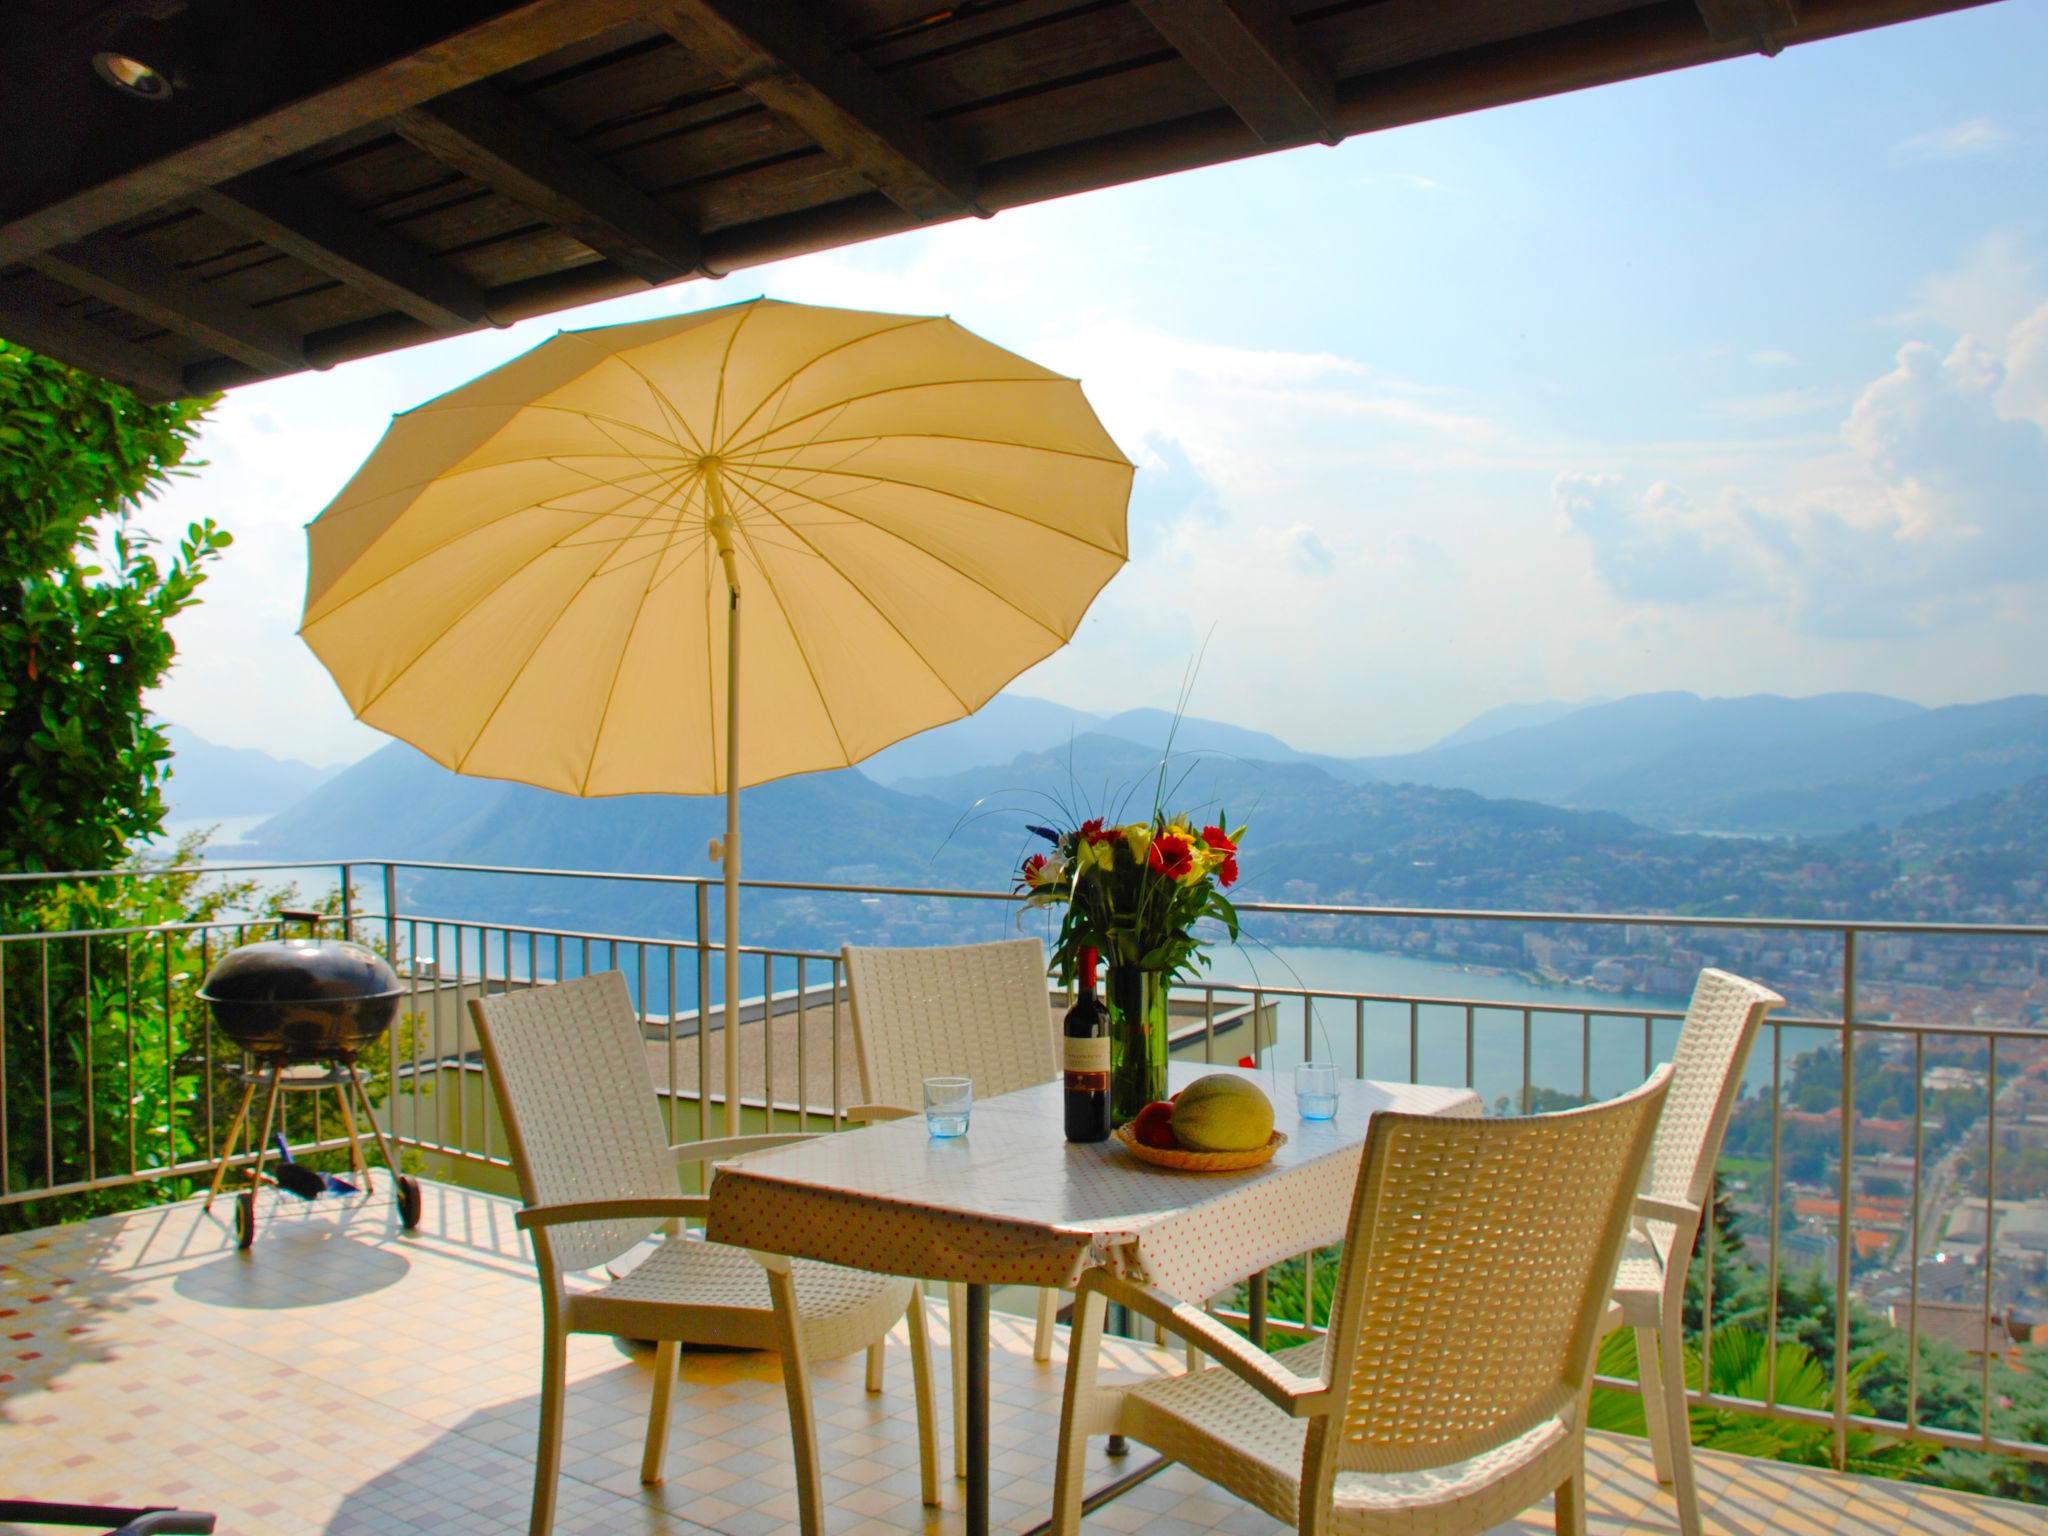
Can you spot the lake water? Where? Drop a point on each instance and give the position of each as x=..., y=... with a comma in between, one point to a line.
x=1565, y=1050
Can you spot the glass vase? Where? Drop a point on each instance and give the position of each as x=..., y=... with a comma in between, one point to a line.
x=1137, y=1001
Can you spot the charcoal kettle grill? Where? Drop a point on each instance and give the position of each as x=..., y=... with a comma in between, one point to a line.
x=302, y=1010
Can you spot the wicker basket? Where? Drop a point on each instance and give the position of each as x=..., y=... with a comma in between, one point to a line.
x=1200, y=1162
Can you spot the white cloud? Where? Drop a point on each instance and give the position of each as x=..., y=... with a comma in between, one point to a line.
x=1996, y=287
x=1773, y=357
x=1971, y=136
x=1938, y=514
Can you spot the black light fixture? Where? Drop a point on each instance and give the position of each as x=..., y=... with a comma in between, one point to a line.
x=141, y=58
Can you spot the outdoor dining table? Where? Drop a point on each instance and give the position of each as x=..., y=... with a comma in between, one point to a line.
x=1013, y=1202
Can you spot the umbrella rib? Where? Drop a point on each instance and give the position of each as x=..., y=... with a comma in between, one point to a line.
x=900, y=538
x=864, y=596
x=626, y=645
x=891, y=389
x=667, y=406
x=725, y=362
x=797, y=639
x=910, y=322
x=491, y=522
x=949, y=437
x=519, y=671
x=972, y=501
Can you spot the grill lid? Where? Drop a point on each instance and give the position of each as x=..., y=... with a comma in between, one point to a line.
x=300, y=971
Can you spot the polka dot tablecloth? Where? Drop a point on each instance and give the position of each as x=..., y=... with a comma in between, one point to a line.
x=1014, y=1203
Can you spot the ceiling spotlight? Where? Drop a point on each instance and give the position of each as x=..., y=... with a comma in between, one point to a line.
x=140, y=58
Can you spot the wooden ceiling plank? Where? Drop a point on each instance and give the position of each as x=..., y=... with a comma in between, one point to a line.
x=516, y=36
x=501, y=142
x=89, y=347
x=115, y=272
x=1250, y=54
x=1763, y=22
x=775, y=51
x=284, y=212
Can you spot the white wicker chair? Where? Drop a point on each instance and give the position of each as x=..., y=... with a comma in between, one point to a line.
x=966, y=1010
x=599, y=1176
x=1450, y=1392
x=1649, y=1292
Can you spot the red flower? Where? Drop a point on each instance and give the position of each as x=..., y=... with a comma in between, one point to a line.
x=1171, y=856
x=1216, y=840
x=1092, y=833
x=1033, y=866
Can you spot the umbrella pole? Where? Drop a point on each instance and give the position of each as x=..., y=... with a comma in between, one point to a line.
x=729, y=852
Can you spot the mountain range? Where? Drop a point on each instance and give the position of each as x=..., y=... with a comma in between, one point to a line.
x=1566, y=807
x=209, y=780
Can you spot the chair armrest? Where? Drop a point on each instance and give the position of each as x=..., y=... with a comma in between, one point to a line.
x=873, y=1114
x=721, y=1147
x=1300, y=1396
x=651, y=1207
x=1680, y=1213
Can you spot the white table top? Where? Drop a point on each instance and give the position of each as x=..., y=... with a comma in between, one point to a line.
x=1014, y=1203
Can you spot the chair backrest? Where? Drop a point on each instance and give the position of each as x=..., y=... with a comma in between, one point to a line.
x=959, y=1010
x=1474, y=1276
x=570, y=1067
x=1706, y=1077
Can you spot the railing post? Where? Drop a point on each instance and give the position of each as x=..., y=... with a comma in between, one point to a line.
x=390, y=911
x=348, y=904
x=1844, y=1244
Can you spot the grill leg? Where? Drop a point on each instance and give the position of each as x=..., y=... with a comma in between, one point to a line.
x=356, y=1161
x=230, y=1141
x=263, y=1140
x=370, y=1115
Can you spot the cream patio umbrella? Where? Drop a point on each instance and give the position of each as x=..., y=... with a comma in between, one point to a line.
x=540, y=576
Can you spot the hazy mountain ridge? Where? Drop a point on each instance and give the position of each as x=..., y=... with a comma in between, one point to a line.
x=210, y=780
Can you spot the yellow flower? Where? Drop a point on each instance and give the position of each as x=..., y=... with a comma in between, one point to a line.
x=1139, y=835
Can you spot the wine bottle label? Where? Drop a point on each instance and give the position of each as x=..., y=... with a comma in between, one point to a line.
x=1084, y=1053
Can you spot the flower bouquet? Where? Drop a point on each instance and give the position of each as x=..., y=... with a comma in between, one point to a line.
x=1134, y=894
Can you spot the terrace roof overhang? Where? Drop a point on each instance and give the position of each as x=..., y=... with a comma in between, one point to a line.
x=326, y=183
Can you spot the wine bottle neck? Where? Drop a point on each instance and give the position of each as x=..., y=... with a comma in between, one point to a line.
x=1087, y=973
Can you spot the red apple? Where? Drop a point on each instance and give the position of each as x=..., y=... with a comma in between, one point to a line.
x=1153, y=1126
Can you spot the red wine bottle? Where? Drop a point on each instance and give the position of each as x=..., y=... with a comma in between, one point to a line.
x=1084, y=1059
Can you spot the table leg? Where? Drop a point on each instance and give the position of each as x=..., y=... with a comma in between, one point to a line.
x=1256, y=1321
x=976, y=1330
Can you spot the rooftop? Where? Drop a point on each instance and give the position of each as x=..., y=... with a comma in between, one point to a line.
x=343, y=1378
x=296, y=195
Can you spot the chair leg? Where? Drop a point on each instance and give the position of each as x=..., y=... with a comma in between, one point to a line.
x=665, y=1352
x=876, y=1360
x=1048, y=1316
x=1084, y=1345
x=796, y=1386
x=1650, y=1377
x=956, y=1354
x=1678, y=1425
x=927, y=1407
x=547, y=1453
x=1571, y=1504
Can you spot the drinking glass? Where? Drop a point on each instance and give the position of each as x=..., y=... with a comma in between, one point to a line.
x=1315, y=1090
x=947, y=1103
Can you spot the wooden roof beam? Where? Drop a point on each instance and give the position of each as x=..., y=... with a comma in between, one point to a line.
x=89, y=347
x=116, y=273
x=775, y=51
x=503, y=143
x=1249, y=53
x=185, y=152
x=1764, y=23
x=284, y=212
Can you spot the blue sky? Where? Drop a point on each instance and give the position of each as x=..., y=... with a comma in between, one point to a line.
x=1733, y=380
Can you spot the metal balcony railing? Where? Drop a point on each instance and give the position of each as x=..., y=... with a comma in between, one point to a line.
x=111, y=1075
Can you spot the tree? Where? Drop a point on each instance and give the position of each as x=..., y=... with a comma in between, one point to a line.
x=94, y=1045
x=81, y=644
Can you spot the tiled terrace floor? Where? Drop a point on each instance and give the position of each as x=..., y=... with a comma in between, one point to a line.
x=344, y=1378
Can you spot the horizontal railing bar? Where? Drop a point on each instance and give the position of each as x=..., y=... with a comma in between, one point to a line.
x=170, y=1171
x=1304, y=909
